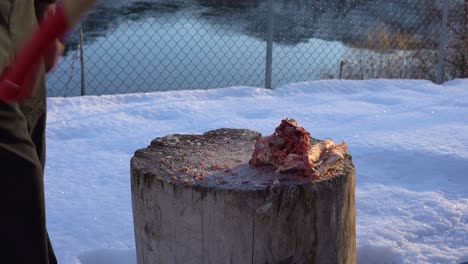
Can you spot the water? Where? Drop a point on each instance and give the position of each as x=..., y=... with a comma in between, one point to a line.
x=148, y=46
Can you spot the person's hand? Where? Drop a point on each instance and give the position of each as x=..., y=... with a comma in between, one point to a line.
x=14, y=91
x=52, y=55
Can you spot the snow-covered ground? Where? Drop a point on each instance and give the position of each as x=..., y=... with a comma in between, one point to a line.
x=408, y=138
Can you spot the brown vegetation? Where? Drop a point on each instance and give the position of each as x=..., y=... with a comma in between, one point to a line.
x=398, y=54
x=457, y=46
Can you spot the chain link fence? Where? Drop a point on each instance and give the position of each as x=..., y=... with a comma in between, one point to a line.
x=160, y=45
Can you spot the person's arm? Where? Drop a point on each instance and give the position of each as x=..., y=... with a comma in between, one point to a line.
x=43, y=8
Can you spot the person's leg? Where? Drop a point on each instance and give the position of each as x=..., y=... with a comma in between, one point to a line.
x=23, y=236
x=36, y=120
x=34, y=108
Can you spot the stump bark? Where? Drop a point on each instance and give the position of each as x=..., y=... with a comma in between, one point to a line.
x=196, y=200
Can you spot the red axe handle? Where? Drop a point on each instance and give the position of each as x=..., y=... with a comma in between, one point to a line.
x=67, y=14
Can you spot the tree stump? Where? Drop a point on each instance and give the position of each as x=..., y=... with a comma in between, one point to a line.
x=196, y=200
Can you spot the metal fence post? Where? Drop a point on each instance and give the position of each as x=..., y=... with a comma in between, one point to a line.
x=83, y=83
x=442, y=40
x=269, y=51
x=342, y=63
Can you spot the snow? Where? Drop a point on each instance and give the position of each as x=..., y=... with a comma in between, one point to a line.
x=408, y=138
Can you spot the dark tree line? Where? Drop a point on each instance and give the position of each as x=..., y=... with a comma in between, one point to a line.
x=457, y=45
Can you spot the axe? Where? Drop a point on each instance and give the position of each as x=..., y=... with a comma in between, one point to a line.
x=16, y=83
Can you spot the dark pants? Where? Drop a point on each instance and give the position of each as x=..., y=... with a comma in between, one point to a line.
x=23, y=234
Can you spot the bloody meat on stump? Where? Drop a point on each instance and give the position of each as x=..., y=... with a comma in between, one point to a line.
x=289, y=148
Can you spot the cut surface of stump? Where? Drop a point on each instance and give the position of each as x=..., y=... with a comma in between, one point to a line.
x=197, y=200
